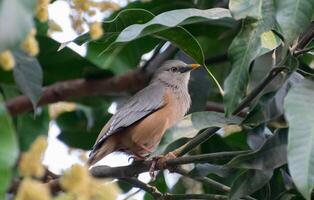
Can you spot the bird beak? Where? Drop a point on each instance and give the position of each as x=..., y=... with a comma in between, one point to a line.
x=194, y=66
x=189, y=67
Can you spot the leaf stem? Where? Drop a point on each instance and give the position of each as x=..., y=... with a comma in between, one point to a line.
x=215, y=80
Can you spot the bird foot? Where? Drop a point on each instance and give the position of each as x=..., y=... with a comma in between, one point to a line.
x=160, y=163
x=136, y=158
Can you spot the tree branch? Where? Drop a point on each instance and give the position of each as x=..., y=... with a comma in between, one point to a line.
x=69, y=90
x=143, y=166
x=156, y=194
x=305, y=39
x=205, y=180
x=195, y=141
x=72, y=89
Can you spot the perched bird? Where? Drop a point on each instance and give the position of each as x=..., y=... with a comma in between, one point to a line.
x=138, y=126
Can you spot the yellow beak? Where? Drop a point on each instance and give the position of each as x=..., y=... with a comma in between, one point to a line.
x=194, y=66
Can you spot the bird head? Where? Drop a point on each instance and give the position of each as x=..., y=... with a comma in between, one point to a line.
x=175, y=72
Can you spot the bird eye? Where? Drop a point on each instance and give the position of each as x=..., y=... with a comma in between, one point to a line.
x=173, y=69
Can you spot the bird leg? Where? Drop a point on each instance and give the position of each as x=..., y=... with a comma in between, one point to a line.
x=148, y=150
x=160, y=162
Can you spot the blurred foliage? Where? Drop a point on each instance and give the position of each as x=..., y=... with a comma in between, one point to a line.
x=242, y=42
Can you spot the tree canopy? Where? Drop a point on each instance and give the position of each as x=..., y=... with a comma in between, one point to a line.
x=249, y=133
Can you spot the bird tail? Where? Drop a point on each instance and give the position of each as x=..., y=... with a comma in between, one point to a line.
x=105, y=149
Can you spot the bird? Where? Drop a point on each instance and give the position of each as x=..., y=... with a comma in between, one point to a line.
x=138, y=126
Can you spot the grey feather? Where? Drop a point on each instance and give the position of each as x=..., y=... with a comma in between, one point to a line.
x=143, y=103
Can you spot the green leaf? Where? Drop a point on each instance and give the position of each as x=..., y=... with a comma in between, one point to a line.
x=28, y=76
x=255, y=39
x=15, y=22
x=248, y=182
x=245, y=8
x=270, y=105
x=5, y=181
x=65, y=64
x=8, y=148
x=172, y=19
x=293, y=17
x=125, y=56
x=98, y=50
x=159, y=6
x=29, y=128
x=192, y=124
x=8, y=141
x=121, y=58
x=164, y=26
x=271, y=155
x=77, y=130
x=299, y=107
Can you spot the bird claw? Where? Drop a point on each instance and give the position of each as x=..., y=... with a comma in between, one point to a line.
x=160, y=162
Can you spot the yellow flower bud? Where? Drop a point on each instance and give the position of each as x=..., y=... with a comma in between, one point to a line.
x=42, y=14
x=32, y=190
x=30, y=44
x=96, y=30
x=76, y=180
x=31, y=161
x=7, y=61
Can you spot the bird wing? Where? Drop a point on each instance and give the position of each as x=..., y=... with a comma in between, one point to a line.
x=143, y=103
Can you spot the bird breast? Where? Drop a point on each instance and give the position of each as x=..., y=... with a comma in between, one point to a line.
x=149, y=131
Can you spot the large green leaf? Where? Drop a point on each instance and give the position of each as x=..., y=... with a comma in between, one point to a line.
x=78, y=131
x=270, y=105
x=121, y=58
x=28, y=76
x=192, y=124
x=255, y=39
x=172, y=19
x=15, y=22
x=163, y=26
x=271, y=155
x=159, y=6
x=123, y=53
x=299, y=107
x=245, y=8
x=5, y=181
x=248, y=182
x=65, y=64
x=293, y=17
x=29, y=128
x=8, y=148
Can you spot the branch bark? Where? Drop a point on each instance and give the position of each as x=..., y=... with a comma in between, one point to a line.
x=156, y=194
x=69, y=90
x=72, y=89
x=143, y=166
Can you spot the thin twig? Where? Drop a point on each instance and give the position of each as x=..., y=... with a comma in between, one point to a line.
x=144, y=186
x=271, y=75
x=302, y=51
x=305, y=38
x=205, y=180
x=204, y=158
x=132, y=194
x=195, y=141
x=194, y=196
